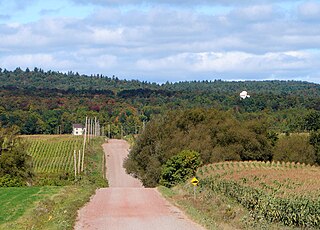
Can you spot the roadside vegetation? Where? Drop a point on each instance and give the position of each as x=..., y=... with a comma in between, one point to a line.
x=250, y=177
x=15, y=163
x=217, y=136
x=252, y=195
x=52, y=207
x=286, y=193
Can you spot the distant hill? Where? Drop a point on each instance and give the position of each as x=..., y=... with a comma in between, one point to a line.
x=40, y=101
x=39, y=79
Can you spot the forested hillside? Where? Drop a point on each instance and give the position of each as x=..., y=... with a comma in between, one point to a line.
x=49, y=102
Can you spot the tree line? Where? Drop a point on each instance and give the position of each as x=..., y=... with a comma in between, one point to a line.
x=217, y=136
x=37, y=101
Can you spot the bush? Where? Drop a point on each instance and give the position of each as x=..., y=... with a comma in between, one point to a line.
x=294, y=148
x=9, y=181
x=314, y=140
x=14, y=160
x=215, y=135
x=180, y=167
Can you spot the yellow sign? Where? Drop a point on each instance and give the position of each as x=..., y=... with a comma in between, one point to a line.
x=194, y=181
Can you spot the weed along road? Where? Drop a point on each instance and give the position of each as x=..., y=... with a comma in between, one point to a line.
x=126, y=204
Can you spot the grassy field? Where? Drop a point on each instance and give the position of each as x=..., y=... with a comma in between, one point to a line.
x=52, y=207
x=15, y=201
x=253, y=195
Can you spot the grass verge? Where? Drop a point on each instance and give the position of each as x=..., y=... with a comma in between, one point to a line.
x=186, y=203
x=214, y=211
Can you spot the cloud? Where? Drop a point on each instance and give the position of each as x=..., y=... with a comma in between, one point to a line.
x=309, y=10
x=255, y=13
x=232, y=62
x=235, y=66
x=17, y=4
x=4, y=17
x=45, y=61
x=177, y=2
x=50, y=11
x=252, y=39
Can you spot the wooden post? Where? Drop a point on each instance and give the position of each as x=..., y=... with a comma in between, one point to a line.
x=99, y=131
x=79, y=161
x=91, y=128
x=84, y=144
x=89, y=120
x=88, y=129
x=75, y=164
x=95, y=126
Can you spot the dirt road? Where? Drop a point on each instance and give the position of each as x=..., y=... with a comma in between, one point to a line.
x=126, y=204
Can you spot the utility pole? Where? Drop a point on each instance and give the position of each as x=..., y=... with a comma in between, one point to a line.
x=79, y=161
x=109, y=131
x=87, y=128
x=84, y=144
x=91, y=122
x=95, y=126
x=75, y=164
x=99, y=129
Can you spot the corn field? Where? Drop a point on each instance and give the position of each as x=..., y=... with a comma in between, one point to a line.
x=53, y=154
x=274, y=191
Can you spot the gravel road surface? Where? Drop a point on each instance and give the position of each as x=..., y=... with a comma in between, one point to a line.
x=126, y=204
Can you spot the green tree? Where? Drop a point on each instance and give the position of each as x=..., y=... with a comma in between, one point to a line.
x=180, y=167
x=314, y=140
x=294, y=148
x=15, y=163
x=32, y=125
x=215, y=135
x=312, y=121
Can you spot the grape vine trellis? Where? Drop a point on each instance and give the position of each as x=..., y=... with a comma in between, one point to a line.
x=54, y=154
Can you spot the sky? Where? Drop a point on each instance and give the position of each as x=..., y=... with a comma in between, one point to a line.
x=168, y=40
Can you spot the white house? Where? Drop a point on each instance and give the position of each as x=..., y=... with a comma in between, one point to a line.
x=78, y=129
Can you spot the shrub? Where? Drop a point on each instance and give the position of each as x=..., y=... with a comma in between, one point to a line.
x=294, y=148
x=14, y=160
x=180, y=167
x=215, y=135
x=9, y=181
x=314, y=140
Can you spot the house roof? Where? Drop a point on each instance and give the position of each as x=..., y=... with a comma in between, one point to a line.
x=77, y=126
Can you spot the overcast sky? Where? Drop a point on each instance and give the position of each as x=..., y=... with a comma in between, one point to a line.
x=169, y=40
